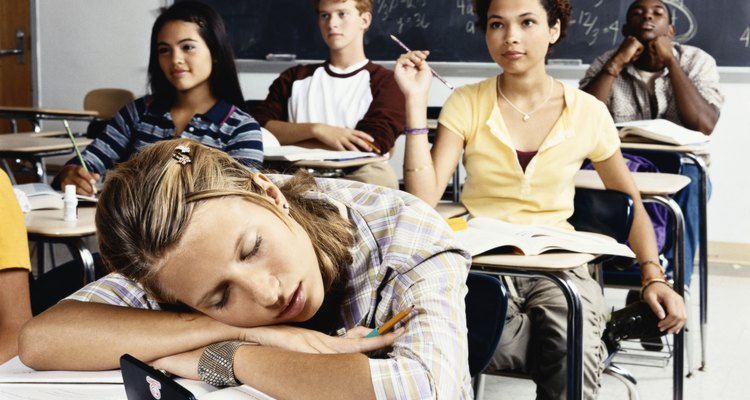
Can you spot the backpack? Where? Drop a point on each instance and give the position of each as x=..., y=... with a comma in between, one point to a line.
x=658, y=214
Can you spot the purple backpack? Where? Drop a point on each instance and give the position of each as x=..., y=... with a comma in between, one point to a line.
x=658, y=214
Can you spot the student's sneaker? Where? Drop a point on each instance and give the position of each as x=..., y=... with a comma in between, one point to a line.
x=636, y=321
x=649, y=344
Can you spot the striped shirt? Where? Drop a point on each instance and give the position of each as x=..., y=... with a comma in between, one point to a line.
x=144, y=121
x=404, y=254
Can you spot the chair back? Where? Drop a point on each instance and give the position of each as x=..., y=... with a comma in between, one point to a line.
x=486, y=307
x=607, y=212
x=107, y=101
x=665, y=161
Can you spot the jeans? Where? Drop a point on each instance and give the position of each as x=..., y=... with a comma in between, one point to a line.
x=689, y=201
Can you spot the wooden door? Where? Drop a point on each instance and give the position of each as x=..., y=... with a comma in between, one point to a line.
x=15, y=69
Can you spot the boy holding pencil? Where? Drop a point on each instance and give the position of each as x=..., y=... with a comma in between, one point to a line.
x=344, y=103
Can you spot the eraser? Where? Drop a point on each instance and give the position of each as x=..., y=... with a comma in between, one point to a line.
x=280, y=57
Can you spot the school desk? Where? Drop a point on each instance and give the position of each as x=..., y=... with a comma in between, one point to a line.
x=549, y=266
x=323, y=168
x=35, y=114
x=657, y=188
x=35, y=148
x=48, y=226
x=18, y=381
x=692, y=154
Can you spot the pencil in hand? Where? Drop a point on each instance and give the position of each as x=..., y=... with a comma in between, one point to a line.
x=78, y=153
x=391, y=322
x=434, y=73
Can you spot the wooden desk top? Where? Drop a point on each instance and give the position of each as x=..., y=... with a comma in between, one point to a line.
x=694, y=149
x=50, y=223
x=450, y=209
x=357, y=162
x=45, y=113
x=28, y=144
x=648, y=183
x=561, y=261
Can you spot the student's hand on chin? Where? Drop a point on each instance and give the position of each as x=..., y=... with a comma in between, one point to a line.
x=308, y=341
x=631, y=49
x=661, y=49
x=183, y=364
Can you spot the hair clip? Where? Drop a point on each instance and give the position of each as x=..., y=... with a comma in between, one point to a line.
x=182, y=154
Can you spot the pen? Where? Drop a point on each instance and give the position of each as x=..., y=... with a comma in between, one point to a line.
x=435, y=74
x=78, y=152
x=388, y=325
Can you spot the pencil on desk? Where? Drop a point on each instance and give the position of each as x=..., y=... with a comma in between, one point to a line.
x=391, y=322
x=78, y=153
x=435, y=74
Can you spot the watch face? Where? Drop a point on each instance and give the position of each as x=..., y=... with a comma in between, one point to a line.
x=143, y=382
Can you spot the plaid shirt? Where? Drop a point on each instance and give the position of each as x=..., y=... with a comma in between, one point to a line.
x=629, y=98
x=143, y=122
x=404, y=254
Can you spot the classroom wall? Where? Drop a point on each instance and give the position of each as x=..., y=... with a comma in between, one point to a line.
x=83, y=44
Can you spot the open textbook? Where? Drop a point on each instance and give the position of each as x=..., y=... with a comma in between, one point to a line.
x=41, y=196
x=485, y=234
x=297, y=153
x=660, y=130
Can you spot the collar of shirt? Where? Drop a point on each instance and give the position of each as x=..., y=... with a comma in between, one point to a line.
x=216, y=114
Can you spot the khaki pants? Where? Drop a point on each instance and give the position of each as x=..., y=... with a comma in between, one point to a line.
x=379, y=173
x=535, y=334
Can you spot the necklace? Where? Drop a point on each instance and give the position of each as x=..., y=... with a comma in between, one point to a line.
x=527, y=115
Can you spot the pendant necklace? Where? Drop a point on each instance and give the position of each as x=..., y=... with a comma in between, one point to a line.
x=527, y=115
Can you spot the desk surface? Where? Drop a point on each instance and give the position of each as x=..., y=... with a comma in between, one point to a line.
x=29, y=144
x=694, y=149
x=356, y=162
x=50, y=223
x=648, y=183
x=558, y=261
x=45, y=113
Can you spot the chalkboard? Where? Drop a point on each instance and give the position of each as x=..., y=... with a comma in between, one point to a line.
x=446, y=28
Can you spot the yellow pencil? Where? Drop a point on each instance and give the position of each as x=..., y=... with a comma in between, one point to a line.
x=391, y=322
x=373, y=146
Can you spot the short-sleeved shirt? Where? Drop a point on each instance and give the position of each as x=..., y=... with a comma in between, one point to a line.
x=14, y=245
x=629, y=99
x=404, y=254
x=496, y=185
x=145, y=121
x=365, y=97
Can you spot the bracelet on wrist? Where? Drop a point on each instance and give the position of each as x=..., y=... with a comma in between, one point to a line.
x=651, y=282
x=416, y=131
x=422, y=168
x=216, y=365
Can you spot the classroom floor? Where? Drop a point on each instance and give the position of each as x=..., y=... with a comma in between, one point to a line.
x=728, y=352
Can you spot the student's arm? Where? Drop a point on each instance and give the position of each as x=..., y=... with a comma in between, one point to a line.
x=694, y=111
x=600, y=86
x=320, y=135
x=15, y=309
x=427, y=169
x=112, y=145
x=384, y=119
x=665, y=302
x=245, y=142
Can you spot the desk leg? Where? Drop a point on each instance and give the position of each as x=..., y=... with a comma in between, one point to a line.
x=679, y=286
x=574, y=368
x=84, y=256
x=703, y=250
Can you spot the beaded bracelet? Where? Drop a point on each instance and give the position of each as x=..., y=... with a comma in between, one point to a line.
x=216, y=364
x=416, y=131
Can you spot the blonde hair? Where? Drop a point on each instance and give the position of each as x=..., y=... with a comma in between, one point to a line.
x=363, y=6
x=147, y=202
